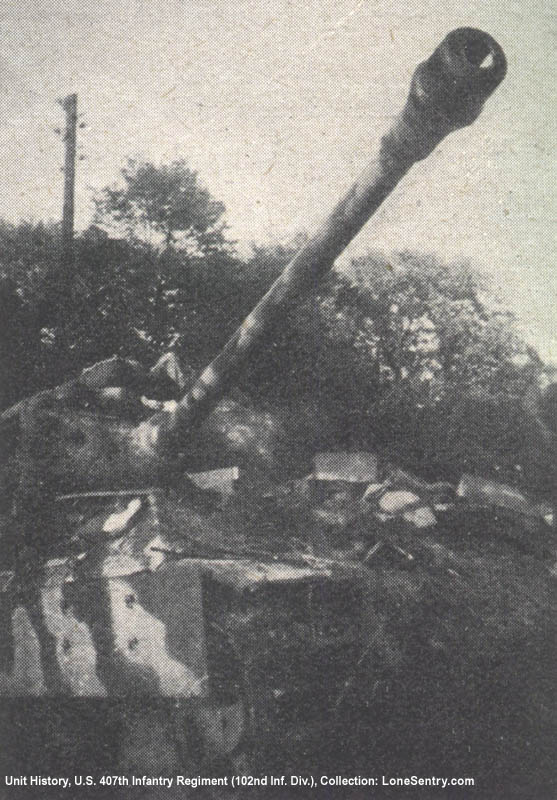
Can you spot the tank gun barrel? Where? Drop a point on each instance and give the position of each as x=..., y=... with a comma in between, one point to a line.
x=63, y=448
x=447, y=92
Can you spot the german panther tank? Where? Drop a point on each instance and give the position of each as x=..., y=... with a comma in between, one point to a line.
x=198, y=652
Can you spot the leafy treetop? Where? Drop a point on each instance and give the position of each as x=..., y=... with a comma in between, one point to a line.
x=165, y=204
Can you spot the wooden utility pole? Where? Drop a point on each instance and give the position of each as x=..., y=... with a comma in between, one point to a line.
x=69, y=104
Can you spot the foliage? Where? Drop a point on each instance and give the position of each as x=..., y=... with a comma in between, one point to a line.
x=126, y=297
x=390, y=348
x=163, y=203
x=27, y=252
x=402, y=355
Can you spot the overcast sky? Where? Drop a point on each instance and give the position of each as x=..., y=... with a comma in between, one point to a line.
x=278, y=104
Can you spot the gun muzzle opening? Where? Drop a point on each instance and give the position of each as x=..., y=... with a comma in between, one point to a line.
x=475, y=57
x=449, y=89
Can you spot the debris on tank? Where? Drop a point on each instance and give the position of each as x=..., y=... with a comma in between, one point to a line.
x=484, y=492
x=400, y=479
x=358, y=467
x=222, y=480
x=392, y=502
x=422, y=517
x=119, y=521
x=372, y=491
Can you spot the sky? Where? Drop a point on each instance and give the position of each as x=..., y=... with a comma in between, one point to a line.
x=279, y=104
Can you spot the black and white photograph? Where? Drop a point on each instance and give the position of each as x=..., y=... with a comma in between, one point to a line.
x=278, y=400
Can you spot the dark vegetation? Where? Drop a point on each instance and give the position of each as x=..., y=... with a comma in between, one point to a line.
x=401, y=355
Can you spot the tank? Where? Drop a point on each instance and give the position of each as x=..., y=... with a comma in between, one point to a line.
x=205, y=653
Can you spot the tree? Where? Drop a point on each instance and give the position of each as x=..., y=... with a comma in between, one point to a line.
x=403, y=355
x=29, y=257
x=389, y=349
x=163, y=204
